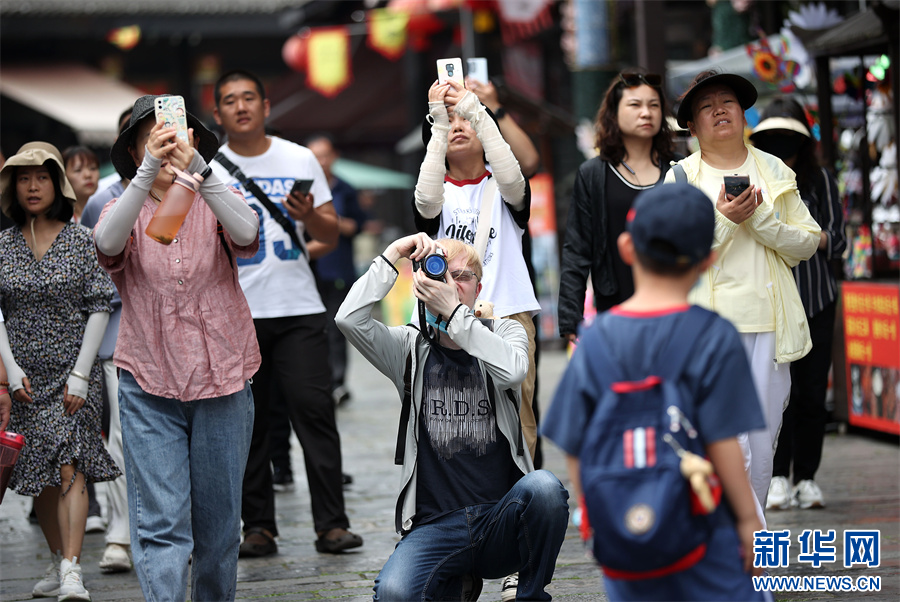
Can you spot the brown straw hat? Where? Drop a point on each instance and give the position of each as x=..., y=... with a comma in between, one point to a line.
x=32, y=153
x=143, y=106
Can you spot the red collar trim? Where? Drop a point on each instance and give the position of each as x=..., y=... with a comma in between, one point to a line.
x=617, y=310
x=467, y=182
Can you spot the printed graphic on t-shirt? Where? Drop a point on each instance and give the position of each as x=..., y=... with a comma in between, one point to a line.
x=276, y=189
x=463, y=227
x=456, y=410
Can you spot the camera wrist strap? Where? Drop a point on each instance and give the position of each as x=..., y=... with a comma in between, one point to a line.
x=259, y=195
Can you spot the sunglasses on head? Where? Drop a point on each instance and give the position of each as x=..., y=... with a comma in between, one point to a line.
x=636, y=79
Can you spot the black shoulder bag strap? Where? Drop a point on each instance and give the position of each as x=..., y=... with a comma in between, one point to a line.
x=405, y=405
x=520, y=445
x=253, y=187
x=680, y=174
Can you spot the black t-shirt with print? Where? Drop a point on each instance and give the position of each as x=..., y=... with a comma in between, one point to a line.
x=463, y=458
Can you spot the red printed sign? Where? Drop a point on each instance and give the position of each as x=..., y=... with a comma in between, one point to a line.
x=871, y=329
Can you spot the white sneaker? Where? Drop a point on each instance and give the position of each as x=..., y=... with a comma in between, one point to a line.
x=48, y=586
x=509, y=587
x=808, y=494
x=95, y=524
x=779, y=497
x=115, y=559
x=71, y=586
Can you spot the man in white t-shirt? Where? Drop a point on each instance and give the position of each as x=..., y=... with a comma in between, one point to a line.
x=760, y=234
x=288, y=314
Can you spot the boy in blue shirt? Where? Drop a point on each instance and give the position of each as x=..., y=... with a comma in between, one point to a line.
x=667, y=243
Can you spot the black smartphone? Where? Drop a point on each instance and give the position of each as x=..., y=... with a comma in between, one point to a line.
x=736, y=184
x=301, y=186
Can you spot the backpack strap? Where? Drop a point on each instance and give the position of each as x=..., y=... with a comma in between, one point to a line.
x=676, y=353
x=405, y=404
x=680, y=174
x=680, y=347
x=260, y=196
x=489, y=383
x=520, y=444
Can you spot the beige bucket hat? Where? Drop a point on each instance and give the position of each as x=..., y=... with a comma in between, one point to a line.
x=32, y=153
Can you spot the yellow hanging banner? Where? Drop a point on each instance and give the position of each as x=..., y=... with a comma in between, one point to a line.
x=387, y=32
x=329, y=60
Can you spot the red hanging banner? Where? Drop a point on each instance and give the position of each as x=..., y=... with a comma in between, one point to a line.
x=387, y=32
x=521, y=19
x=328, y=71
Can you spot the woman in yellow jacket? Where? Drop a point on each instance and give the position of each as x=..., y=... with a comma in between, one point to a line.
x=760, y=234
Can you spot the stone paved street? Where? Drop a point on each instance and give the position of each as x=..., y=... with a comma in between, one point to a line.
x=860, y=478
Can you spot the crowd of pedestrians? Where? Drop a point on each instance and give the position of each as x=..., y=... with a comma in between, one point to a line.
x=176, y=372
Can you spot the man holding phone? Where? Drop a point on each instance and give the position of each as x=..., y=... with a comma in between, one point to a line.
x=288, y=313
x=760, y=234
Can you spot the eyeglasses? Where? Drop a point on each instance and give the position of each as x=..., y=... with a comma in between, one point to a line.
x=636, y=79
x=463, y=275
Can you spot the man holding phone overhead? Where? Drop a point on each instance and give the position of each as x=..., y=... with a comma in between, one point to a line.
x=760, y=234
x=288, y=313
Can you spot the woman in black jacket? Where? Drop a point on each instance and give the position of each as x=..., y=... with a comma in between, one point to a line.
x=635, y=145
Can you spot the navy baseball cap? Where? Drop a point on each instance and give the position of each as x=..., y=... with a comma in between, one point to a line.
x=672, y=224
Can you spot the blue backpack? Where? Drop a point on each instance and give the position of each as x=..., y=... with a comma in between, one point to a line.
x=640, y=507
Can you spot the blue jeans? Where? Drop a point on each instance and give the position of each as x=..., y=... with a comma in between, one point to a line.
x=522, y=532
x=185, y=464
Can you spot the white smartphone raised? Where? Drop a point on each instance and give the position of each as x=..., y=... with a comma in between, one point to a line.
x=170, y=109
x=450, y=69
x=478, y=69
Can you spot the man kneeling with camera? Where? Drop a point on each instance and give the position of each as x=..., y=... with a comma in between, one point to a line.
x=471, y=504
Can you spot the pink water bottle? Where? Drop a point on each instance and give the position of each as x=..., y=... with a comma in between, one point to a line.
x=10, y=446
x=174, y=207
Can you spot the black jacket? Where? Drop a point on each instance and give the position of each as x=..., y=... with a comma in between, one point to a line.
x=585, y=246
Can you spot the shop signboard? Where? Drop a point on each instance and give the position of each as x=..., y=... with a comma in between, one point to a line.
x=871, y=329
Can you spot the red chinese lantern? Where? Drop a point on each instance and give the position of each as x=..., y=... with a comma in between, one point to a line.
x=294, y=51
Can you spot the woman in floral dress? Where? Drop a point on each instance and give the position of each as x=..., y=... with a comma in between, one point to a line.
x=56, y=303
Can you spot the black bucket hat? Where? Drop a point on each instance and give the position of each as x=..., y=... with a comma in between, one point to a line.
x=143, y=106
x=744, y=90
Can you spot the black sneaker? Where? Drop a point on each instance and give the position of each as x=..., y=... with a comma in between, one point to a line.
x=282, y=480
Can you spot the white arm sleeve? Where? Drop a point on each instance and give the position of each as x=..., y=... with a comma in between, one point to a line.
x=14, y=374
x=113, y=232
x=503, y=162
x=430, y=185
x=233, y=213
x=90, y=344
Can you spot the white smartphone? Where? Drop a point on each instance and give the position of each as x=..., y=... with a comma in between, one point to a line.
x=478, y=69
x=170, y=109
x=450, y=69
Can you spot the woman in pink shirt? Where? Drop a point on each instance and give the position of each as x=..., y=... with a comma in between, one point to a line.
x=186, y=350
